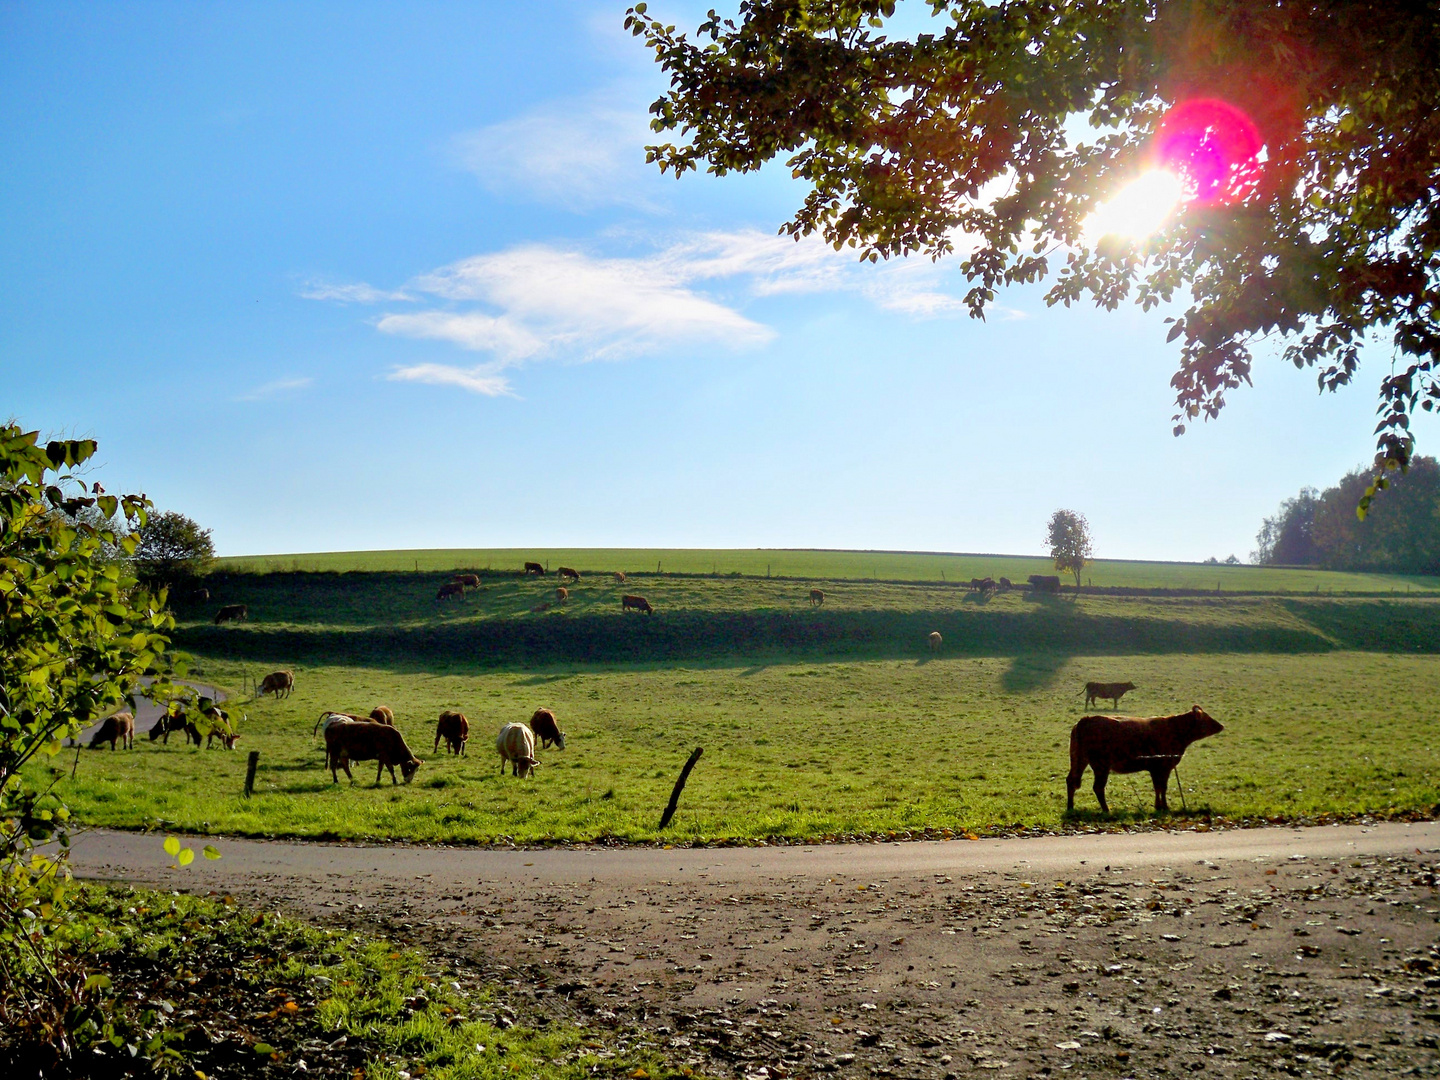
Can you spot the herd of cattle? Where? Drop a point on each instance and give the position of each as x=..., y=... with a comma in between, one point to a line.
x=457, y=585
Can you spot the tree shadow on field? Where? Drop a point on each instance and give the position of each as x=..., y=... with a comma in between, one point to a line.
x=753, y=670
x=1032, y=671
x=541, y=680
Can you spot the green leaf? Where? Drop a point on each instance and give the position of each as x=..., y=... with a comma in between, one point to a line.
x=172, y=846
x=97, y=982
x=264, y=1048
x=211, y=852
x=186, y=856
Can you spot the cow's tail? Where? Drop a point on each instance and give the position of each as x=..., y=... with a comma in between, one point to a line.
x=318, y=723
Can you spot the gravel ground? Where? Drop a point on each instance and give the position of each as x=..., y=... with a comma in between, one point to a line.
x=1146, y=958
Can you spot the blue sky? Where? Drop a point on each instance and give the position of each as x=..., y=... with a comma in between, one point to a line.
x=355, y=276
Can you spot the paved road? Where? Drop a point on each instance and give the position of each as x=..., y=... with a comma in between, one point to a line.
x=129, y=856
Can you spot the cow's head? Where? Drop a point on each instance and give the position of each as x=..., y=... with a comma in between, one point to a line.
x=527, y=765
x=1126, y=687
x=409, y=768
x=1202, y=724
x=560, y=738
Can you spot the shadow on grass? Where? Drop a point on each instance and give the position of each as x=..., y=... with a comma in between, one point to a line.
x=1032, y=671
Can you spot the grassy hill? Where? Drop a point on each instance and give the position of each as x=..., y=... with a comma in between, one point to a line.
x=836, y=566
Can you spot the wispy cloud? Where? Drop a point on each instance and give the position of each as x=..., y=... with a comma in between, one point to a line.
x=356, y=293
x=579, y=154
x=277, y=388
x=482, y=379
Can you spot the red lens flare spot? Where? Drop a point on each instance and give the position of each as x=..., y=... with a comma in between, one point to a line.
x=1214, y=147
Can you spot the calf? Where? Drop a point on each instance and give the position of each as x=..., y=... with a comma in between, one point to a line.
x=546, y=729
x=516, y=745
x=118, y=728
x=1114, y=691
x=455, y=730
x=619, y=577
x=562, y=594
x=635, y=603
x=449, y=589
x=277, y=682
x=1110, y=744
x=566, y=572
x=935, y=641
x=534, y=568
x=817, y=598
x=351, y=741
x=232, y=613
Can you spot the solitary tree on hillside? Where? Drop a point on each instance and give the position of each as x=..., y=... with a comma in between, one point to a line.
x=172, y=548
x=1297, y=144
x=1069, y=542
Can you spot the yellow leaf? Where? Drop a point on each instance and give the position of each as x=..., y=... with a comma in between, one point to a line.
x=186, y=857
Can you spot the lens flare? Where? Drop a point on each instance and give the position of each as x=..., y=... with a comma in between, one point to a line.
x=1214, y=146
x=1138, y=209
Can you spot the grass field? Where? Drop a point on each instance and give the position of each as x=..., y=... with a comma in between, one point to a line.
x=835, y=566
x=796, y=749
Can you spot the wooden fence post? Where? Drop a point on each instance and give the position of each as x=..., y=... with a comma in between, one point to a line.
x=250, y=772
x=679, y=787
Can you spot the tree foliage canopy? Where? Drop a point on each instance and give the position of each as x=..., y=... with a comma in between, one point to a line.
x=172, y=547
x=1400, y=536
x=1069, y=538
x=970, y=138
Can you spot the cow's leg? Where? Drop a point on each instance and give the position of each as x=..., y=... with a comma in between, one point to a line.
x=1160, y=777
x=379, y=768
x=1072, y=784
x=1102, y=777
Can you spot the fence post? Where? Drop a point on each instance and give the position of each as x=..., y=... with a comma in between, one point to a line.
x=250, y=772
x=679, y=787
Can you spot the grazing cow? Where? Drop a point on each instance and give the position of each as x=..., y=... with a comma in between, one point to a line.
x=935, y=641
x=562, y=594
x=516, y=744
x=534, y=568
x=455, y=730
x=219, y=728
x=347, y=742
x=449, y=589
x=1006, y=584
x=817, y=598
x=468, y=581
x=327, y=718
x=566, y=572
x=1155, y=745
x=232, y=613
x=169, y=721
x=1045, y=583
x=275, y=683
x=118, y=728
x=547, y=729
x=635, y=603
x=619, y=577
x=381, y=714
x=1113, y=691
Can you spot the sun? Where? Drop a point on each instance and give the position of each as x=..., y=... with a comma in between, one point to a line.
x=1139, y=209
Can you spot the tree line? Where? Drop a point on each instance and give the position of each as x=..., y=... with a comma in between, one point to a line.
x=1399, y=535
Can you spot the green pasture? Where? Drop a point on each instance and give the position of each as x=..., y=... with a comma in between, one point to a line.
x=798, y=749
x=833, y=566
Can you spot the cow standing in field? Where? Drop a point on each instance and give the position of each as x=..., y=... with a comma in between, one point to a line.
x=1046, y=583
x=277, y=682
x=635, y=603
x=381, y=714
x=118, y=728
x=449, y=589
x=218, y=724
x=935, y=641
x=516, y=745
x=232, y=613
x=350, y=741
x=534, y=568
x=455, y=730
x=547, y=729
x=565, y=572
x=1155, y=745
x=1111, y=691
x=173, y=719
x=562, y=594
x=817, y=598
x=1006, y=584
x=467, y=581
x=619, y=577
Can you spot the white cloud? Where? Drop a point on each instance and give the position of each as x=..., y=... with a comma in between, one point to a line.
x=472, y=330
x=580, y=154
x=482, y=379
x=276, y=388
x=357, y=293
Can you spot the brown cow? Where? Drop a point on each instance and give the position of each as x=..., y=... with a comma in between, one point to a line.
x=219, y=724
x=449, y=589
x=1125, y=745
x=173, y=719
x=562, y=594
x=547, y=729
x=534, y=568
x=636, y=603
x=817, y=598
x=455, y=730
x=1114, y=691
x=565, y=571
x=619, y=577
x=276, y=682
x=381, y=714
x=118, y=728
x=1006, y=584
x=347, y=742
x=232, y=612
x=1045, y=583
x=935, y=641
x=468, y=581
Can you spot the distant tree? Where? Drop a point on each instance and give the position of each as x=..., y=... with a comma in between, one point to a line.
x=1212, y=561
x=1231, y=560
x=172, y=548
x=1069, y=541
x=1287, y=539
